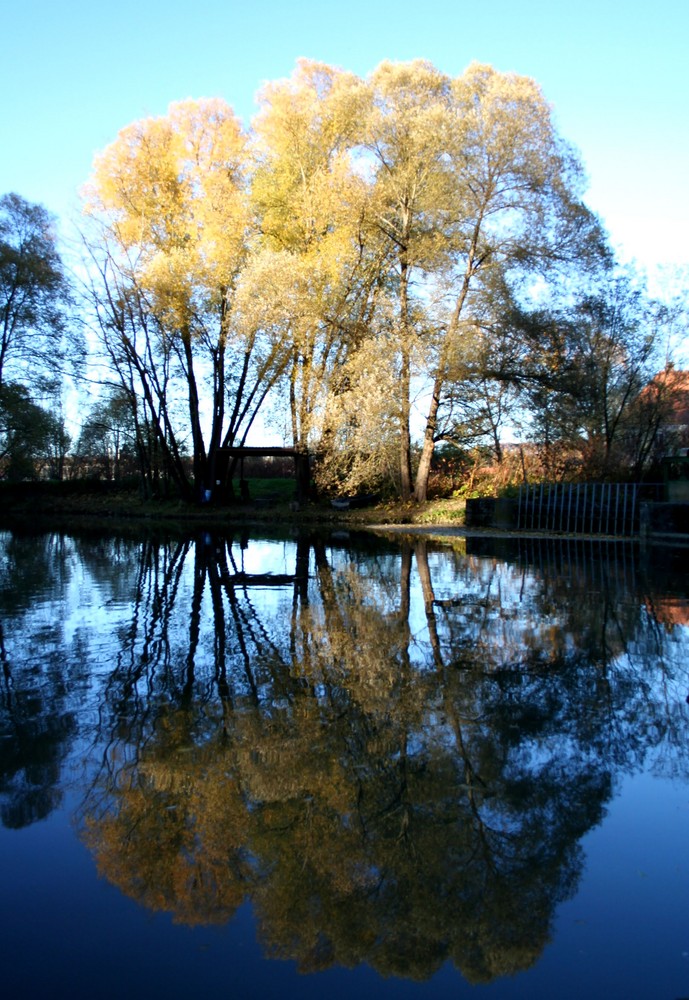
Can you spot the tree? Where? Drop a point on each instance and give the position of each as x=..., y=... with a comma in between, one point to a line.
x=586, y=374
x=657, y=424
x=29, y=435
x=34, y=294
x=618, y=333
x=407, y=137
x=409, y=216
x=58, y=446
x=360, y=445
x=107, y=444
x=473, y=183
x=485, y=374
x=311, y=203
x=169, y=242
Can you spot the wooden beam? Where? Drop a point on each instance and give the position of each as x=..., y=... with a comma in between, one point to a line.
x=246, y=452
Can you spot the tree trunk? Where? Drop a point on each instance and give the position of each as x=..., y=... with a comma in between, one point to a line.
x=405, y=380
x=424, y=470
x=199, y=456
x=405, y=432
x=218, y=409
x=303, y=476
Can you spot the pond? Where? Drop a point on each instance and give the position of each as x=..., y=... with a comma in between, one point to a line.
x=400, y=766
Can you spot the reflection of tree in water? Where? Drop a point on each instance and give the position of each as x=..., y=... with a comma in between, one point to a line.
x=385, y=786
x=36, y=720
x=48, y=666
x=33, y=741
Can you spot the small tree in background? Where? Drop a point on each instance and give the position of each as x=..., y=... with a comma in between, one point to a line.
x=33, y=441
x=36, y=340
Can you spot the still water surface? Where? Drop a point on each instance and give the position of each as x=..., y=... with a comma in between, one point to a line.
x=315, y=766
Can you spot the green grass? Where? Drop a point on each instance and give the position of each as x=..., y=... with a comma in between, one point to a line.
x=280, y=490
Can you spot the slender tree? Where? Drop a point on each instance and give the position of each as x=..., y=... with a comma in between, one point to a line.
x=34, y=295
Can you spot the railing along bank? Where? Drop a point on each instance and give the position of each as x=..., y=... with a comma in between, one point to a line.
x=578, y=508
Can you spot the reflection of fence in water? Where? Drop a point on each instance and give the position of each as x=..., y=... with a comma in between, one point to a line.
x=590, y=564
x=583, y=508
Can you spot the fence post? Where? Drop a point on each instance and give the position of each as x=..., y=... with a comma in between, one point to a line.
x=607, y=510
x=624, y=509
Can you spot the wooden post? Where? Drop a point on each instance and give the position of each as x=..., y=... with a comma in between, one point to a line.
x=303, y=476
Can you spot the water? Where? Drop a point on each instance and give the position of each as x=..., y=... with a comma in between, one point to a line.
x=302, y=766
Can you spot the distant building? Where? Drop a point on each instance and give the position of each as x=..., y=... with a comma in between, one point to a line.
x=668, y=394
x=672, y=386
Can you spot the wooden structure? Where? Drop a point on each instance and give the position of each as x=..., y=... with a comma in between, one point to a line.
x=228, y=459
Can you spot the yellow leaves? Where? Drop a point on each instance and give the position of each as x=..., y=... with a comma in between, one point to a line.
x=168, y=279
x=172, y=190
x=409, y=102
x=317, y=108
x=273, y=293
x=136, y=182
x=182, y=180
x=360, y=420
x=413, y=197
x=304, y=185
x=507, y=125
x=213, y=163
x=344, y=194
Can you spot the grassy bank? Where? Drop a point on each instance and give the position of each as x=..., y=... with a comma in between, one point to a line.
x=271, y=503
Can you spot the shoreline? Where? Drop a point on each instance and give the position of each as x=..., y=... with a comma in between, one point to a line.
x=40, y=509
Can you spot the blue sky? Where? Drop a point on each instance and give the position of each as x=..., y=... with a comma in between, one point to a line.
x=72, y=73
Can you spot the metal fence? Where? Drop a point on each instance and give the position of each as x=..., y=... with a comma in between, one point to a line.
x=583, y=508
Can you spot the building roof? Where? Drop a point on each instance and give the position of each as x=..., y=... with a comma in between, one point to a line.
x=673, y=383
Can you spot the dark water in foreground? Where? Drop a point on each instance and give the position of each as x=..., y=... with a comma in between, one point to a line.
x=293, y=768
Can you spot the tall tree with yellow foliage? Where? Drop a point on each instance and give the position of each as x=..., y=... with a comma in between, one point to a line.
x=312, y=204
x=472, y=179
x=171, y=224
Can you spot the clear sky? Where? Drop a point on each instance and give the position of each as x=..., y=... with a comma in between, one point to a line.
x=73, y=72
